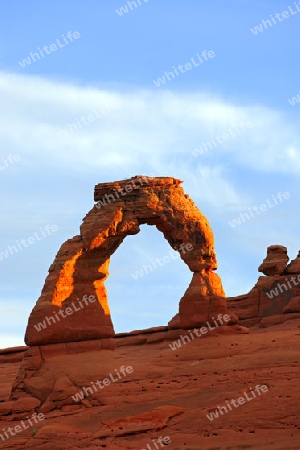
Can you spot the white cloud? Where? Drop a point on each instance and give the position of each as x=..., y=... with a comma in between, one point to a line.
x=145, y=127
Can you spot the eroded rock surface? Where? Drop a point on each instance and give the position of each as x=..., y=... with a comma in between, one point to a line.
x=275, y=262
x=198, y=377
x=275, y=298
x=294, y=266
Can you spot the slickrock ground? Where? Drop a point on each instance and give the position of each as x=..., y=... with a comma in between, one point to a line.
x=169, y=393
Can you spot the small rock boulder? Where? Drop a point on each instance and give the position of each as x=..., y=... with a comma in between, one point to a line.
x=275, y=262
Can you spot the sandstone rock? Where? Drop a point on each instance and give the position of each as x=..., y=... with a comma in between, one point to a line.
x=174, y=322
x=63, y=391
x=157, y=337
x=275, y=262
x=73, y=305
x=293, y=306
x=272, y=296
x=153, y=420
x=151, y=330
x=199, y=377
x=39, y=387
x=203, y=300
x=257, y=304
x=277, y=319
x=135, y=340
x=19, y=349
x=47, y=407
x=174, y=334
x=11, y=355
x=25, y=404
x=233, y=318
x=294, y=266
x=246, y=306
x=32, y=358
x=59, y=431
x=6, y=408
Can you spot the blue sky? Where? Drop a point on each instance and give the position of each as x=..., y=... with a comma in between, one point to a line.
x=146, y=130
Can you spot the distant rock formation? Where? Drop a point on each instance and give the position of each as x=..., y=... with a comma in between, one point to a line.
x=276, y=297
x=76, y=277
x=275, y=262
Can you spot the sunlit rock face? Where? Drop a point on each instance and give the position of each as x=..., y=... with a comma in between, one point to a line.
x=203, y=300
x=73, y=305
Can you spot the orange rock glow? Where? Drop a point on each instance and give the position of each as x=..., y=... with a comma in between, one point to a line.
x=64, y=285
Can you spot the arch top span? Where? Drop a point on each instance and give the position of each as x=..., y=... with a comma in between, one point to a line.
x=81, y=265
x=158, y=201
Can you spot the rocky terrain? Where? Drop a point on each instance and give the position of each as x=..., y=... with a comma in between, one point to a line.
x=222, y=374
x=187, y=383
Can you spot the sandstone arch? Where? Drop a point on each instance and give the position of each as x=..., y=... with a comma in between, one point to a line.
x=81, y=265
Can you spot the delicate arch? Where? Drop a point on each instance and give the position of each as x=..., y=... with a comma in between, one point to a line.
x=73, y=305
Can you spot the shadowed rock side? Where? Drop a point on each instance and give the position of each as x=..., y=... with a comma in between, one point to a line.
x=276, y=297
x=275, y=262
x=76, y=277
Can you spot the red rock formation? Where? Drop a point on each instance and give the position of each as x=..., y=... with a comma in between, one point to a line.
x=196, y=378
x=294, y=266
x=73, y=305
x=203, y=300
x=275, y=262
x=152, y=420
x=275, y=298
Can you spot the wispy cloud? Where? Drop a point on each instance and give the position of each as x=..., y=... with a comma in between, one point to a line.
x=151, y=126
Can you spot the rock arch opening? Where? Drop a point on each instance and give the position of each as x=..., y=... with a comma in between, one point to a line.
x=146, y=280
x=73, y=305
